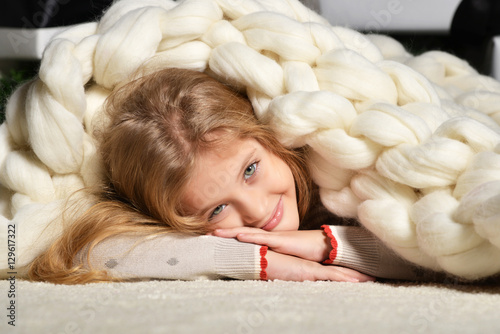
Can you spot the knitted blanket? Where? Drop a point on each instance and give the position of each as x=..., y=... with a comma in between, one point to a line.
x=407, y=144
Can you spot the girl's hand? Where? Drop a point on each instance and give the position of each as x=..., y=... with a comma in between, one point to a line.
x=295, y=255
x=313, y=245
x=290, y=268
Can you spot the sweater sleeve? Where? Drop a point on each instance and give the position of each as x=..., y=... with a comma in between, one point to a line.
x=176, y=256
x=356, y=248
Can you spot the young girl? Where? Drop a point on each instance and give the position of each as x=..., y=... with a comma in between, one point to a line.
x=184, y=154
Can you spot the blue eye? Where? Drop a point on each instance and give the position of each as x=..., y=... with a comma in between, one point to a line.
x=217, y=210
x=250, y=171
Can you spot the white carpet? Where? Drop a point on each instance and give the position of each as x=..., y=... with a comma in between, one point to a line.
x=252, y=307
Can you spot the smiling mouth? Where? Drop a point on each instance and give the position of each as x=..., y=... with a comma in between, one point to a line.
x=275, y=218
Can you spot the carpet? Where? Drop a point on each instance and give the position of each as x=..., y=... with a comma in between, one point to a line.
x=251, y=307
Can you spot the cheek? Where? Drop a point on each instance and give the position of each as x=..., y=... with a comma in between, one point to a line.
x=280, y=173
x=289, y=179
x=229, y=220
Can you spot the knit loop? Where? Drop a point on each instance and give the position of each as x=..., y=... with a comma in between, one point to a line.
x=349, y=74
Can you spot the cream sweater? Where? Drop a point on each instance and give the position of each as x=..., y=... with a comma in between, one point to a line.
x=174, y=256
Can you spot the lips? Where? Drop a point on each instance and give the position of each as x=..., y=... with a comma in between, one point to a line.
x=275, y=218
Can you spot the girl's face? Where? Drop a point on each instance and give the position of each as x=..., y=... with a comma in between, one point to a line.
x=243, y=184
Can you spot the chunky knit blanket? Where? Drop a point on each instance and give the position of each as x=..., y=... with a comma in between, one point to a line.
x=407, y=144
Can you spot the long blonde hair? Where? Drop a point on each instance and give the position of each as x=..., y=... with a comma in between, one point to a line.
x=158, y=124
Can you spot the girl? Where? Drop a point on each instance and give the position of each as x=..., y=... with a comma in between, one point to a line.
x=184, y=153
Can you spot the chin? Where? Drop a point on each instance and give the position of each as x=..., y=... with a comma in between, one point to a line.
x=289, y=226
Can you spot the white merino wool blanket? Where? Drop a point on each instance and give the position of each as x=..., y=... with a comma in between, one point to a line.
x=407, y=144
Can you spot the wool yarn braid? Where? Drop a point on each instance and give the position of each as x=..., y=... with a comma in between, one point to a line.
x=407, y=144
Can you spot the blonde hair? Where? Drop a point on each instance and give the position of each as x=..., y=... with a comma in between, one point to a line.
x=158, y=125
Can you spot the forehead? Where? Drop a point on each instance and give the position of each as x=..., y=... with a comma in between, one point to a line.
x=216, y=169
x=225, y=155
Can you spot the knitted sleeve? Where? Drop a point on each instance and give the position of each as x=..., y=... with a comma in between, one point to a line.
x=175, y=256
x=356, y=248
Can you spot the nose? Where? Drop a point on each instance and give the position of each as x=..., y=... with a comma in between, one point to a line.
x=254, y=208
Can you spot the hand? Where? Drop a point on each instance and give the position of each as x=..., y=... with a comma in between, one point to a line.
x=313, y=245
x=295, y=255
x=290, y=268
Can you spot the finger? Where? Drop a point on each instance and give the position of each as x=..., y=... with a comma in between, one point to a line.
x=233, y=232
x=271, y=240
x=223, y=233
x=350, y=275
